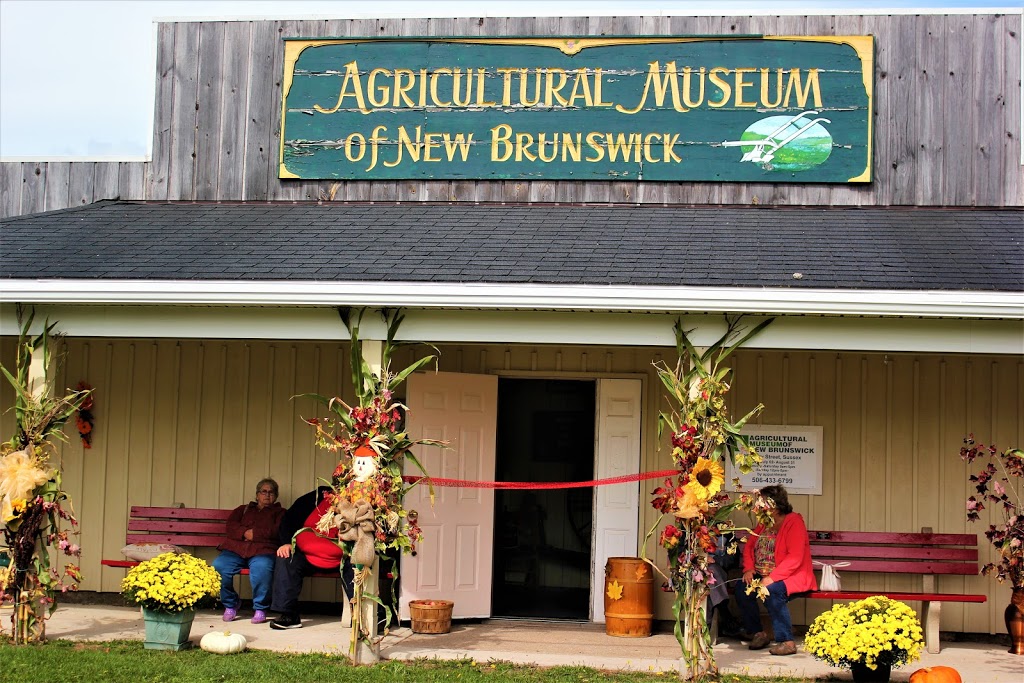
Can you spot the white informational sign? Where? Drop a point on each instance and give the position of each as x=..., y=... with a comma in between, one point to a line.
x=791, y=456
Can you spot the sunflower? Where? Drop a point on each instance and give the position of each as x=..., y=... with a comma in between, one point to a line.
x=688, y=505
x=706, y=479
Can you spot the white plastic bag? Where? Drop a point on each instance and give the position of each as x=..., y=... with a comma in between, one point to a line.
x=829, y=576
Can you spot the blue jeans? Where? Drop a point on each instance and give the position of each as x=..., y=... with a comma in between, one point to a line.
x=261, y=578
x=777, y=605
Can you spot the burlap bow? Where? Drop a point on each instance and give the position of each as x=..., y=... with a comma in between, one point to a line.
x=355, y=523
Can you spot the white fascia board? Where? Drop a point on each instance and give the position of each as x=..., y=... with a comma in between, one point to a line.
x=769, y=301
x=560, y=328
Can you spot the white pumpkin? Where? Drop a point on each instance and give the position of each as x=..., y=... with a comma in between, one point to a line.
x=223, y=642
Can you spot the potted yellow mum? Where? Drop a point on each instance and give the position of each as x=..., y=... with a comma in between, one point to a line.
x=870, y=636
x=169, y=588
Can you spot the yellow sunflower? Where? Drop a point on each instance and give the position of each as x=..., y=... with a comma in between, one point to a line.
x=706, y=479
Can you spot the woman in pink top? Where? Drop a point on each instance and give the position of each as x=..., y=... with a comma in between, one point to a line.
x=779, y=554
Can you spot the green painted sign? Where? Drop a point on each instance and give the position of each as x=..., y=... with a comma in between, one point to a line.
x=738, y=109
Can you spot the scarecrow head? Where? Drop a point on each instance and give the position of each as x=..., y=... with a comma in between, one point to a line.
x=364, y=463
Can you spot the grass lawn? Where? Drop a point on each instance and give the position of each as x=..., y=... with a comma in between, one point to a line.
x=60, y=660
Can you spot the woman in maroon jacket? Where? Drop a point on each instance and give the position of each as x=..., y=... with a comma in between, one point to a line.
x=779, y=554
x=251, y=541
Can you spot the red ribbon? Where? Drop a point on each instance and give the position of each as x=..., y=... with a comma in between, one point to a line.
x=466, y=483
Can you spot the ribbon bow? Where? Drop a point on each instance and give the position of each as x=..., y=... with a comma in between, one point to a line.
x=355, y=523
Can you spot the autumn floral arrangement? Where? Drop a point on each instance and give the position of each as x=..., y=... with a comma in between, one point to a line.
x=84, y=420
x=172, y=582
x=876, y=632
x=33, y=503
x=994, y=487
x=372, y=430
x=702, y=437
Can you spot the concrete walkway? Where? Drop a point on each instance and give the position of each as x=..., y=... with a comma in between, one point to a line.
x=526, y=642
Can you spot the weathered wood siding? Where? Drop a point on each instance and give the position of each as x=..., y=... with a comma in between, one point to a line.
x=947, y=118
x=199, y=422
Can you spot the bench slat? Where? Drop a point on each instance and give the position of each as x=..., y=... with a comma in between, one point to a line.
x=860, y=595
x=824, y=552
x=177, y=539
x=894, y=566
x=205, y=514
x=867, y=537
x=176, y=526
x=131, y=563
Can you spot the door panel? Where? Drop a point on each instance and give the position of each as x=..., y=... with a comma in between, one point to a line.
x=453, y=562
x=616, y=507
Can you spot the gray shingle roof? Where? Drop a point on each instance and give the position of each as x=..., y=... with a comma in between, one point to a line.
x=833, y=248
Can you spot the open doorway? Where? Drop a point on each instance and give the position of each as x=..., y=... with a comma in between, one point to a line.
x=542, y=538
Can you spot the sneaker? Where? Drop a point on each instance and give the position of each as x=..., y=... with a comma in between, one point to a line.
x=786, y=648
x=286, y=621
x=229, y=614
x=760, y=641
x=259, y=616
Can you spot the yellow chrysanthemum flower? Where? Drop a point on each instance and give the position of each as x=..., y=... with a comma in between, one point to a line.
x=706, y=479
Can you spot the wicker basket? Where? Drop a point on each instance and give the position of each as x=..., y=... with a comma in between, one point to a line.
x=431, y=616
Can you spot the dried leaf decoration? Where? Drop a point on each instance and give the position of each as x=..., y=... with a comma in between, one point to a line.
x=615, y=590
x=641, y=572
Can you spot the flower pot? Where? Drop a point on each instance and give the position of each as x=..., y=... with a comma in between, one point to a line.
x=431, y=616
x=1014, y=616
x=167, y=630
x=862, y=674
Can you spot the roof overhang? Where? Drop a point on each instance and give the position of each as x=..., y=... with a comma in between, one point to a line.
x=766, y=301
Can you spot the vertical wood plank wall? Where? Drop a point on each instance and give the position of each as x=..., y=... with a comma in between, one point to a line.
x=946, y=126
x=199, y=422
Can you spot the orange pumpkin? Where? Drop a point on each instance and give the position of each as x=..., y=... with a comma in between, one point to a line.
x=936, y=674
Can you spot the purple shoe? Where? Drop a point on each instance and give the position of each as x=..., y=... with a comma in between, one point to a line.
x=259, y=617
x=229, y=614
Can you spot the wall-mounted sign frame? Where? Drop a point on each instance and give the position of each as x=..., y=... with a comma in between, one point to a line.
x=696, y=108
x=791, y=457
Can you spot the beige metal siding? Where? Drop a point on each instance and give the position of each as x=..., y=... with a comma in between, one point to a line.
x=199, y=422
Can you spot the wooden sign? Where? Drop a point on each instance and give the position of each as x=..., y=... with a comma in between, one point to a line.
x=739, y=109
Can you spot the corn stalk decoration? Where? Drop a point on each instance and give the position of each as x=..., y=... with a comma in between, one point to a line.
x=702, y=438
x=32, y=499
x=367, y=486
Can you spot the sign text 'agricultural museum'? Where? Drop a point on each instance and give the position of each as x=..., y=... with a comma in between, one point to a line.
x=740, y=109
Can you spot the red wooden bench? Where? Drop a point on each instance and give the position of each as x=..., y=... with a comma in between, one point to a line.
x=926, y=554
x=188, y=527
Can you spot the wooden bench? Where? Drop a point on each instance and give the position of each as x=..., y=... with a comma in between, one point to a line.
x=926, y=554
x=181, y=526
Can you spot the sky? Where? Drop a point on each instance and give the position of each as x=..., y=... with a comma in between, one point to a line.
x=77, y=77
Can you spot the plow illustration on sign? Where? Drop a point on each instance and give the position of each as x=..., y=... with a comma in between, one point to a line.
x=797, y=144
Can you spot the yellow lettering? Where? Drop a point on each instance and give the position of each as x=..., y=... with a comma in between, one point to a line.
x=740, y=85
x=506, y=85
x=594, y=142
x=552, y=93
x=626, y=145
x=541, y=141
x=523, y=100
x=582, y=78
x=662, y=84
x=430, y=142
x=375, y=141
x=459, y=144
x=570, y=147
x=359, y=141
x=501, y=134
x=457, y=85
x=372, y=88
x=686, y=87
x=435, y=98
x=406, y=143
x=351, y=76
x=722, y=85
x=669, y=148
x=766, y=84
x=523, y=143
x=401, y=90
x=802, y=92
x=598, y=76
x=647, y=146
x=480, y=83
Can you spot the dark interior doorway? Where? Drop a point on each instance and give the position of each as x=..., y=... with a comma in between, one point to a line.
x=542, y=546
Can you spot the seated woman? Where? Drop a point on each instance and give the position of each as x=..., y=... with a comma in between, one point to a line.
x=779, y=554
x=251, y=541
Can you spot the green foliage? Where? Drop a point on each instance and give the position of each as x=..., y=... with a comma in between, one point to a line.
x=127, y=662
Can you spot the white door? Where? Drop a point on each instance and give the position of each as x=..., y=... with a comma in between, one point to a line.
x=453, y=562
x=616, y=507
